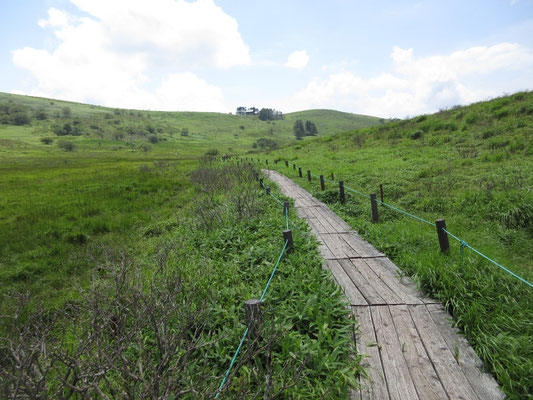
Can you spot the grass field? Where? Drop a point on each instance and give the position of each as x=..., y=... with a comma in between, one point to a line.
x=124, y=269
x=472, y=166
x=100, y=129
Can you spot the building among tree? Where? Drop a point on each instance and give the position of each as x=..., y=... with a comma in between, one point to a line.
x=247, y=111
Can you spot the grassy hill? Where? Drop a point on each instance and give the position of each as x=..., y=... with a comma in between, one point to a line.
x=472, y=166
x=193, y=133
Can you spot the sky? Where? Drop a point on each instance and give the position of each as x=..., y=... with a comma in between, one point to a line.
x=386, y=58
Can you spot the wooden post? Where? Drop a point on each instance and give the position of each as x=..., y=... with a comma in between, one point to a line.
x=237, y=163
x=293, y=166
x=443, y=236
x=286, y=163
x=300, y=171
x=341, y=191
x=374, y=206
x=285, y=208
x=268, y=191
x=266, y=162
x=287, y=236
x=332, y=177
x=322, y=186
x=252, y=310
x=309, y=175
x=381, y=192
x=261, y=183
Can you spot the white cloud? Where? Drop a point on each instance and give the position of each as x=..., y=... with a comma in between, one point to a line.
x=422, y=85
x=55, y=18
x=108, y=57
x=298, y=60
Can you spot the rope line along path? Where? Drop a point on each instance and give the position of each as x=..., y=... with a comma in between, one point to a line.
x=411, y=350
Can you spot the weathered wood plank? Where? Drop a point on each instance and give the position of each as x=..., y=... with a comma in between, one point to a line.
x=375, y=388
x=405, y=293
x=421, y=369
x=399, y=381
x=344, y=281
x=483, y=383
x=450, y=375
x=361, y=246
x=365, y=287
x=403, y=280
x=384, y=291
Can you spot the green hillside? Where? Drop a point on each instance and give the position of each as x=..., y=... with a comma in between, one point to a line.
x=102, y=129
x=472, y=166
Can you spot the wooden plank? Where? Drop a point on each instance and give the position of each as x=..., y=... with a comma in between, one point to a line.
x=361, y=246
x=375, y=388
x=367, y=290
x=333, y=246
x=483, y=383
x=344, y=281
x=406, y=294
x=324, y=249
x=384, y=291
x=403, y=280
x=399, y=382
x=338, y=222
x=449, y=372
x=421, y=369
x=325, y=222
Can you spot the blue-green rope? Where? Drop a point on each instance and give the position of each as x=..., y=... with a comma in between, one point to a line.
x=275, y=198
x=464, y=244
x=247, y=329
x=287, y=217
x=355, y=191
x=405, y=212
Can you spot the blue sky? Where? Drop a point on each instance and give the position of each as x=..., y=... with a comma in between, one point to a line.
x=383, y=58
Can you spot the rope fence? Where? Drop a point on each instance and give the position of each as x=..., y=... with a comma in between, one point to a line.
x=252, y=307
x=440, y=225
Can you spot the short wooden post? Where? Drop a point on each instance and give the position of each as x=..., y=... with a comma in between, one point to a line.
x=381, y=192
x=286, y=163
x=287, y=236
x=332, y=177
x=268, y=191
x=300, y=171
x=261, y=183
x=293, y=166
x=341, y=191
x=322, y=186
x=285, y=207
x=374, y=206
x=252, y=310
x=309, y=175
x=237, y=163
x=443, y=236
x=266, y=162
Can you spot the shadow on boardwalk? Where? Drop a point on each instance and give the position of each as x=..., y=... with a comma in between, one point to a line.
x=411, y=349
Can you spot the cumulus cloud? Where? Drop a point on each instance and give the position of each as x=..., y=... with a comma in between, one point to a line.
x=108, y=56
x=298, y=60
x=422, y=85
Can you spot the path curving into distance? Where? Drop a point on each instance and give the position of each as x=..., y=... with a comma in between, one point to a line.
x=412, y=351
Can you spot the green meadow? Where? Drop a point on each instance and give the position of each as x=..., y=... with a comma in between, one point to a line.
x=472, y=166
x=126, y=256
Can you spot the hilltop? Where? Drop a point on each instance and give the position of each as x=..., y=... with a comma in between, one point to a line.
x=193, y=133
x=471, y=165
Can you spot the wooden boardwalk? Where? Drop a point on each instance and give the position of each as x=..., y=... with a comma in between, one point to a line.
x=411, y=349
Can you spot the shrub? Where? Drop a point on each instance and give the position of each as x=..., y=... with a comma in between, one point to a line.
x=153, y=139
x=145, y=147
x=416, y=134
x=47, y=140
x=212, y=152
x=66, y=145
x=66, y=112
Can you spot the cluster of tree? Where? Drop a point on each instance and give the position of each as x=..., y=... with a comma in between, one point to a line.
x=300, y=129
x=269, y=114
x=14, y=114
x=264, y=143
x=67, y=128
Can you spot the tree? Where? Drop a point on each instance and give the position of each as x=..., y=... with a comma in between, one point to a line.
x=310, y=128
x=66, y=112
x=66, y=145
x=266, y=114
x=299, y=130
x=265, y=143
